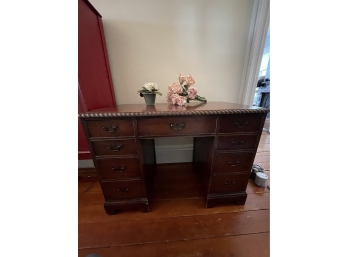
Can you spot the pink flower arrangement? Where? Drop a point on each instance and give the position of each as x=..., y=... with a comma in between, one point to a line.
x=184, y=91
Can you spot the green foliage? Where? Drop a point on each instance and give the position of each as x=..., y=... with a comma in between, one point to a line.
x=145, y=91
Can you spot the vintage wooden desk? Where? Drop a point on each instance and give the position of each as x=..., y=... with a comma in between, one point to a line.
x=226, y=137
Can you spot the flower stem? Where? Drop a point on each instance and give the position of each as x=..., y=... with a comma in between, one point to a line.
x=200, y=98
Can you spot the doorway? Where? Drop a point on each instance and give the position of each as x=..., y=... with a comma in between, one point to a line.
x=262, y=93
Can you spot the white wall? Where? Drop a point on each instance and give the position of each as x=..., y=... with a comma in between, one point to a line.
x=155, y=40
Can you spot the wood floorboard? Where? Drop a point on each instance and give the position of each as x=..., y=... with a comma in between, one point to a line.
x=265, y=138
x=91, y=198
x=262, y=157
x=171, y=208
x=251, y=245
x=128, y=232
x=263, y=147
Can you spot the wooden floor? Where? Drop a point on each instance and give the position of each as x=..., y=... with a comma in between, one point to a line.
x=178, y=223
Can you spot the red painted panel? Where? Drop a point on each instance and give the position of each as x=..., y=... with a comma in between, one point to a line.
x=93, y=68
x=83, y=151
x=95, y=82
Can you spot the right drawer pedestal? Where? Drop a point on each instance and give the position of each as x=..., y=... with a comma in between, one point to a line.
x=236, y=143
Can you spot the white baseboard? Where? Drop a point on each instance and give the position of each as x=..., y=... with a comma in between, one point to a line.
x=174, y=154
x=85, y=164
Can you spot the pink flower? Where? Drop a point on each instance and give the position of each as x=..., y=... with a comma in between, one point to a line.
x=182, y=78
x=177, y=99
x=192, y=92
x=180, y=100
x=175, y=88
x=190, y=80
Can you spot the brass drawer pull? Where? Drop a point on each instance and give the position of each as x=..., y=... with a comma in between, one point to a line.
x=119, y=168
x=230, y=183
x=234, y=163
x=234, y=143
x=110, y=130
x=177, y=126
x=122, y=189
x=114, y=148
x=241, y=126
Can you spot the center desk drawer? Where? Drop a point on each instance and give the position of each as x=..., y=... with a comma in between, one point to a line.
x=118, y=168
x=233, y=162
x=114, y=147
x=176, y=126
x=110, y=128
x=229, y=183
x=123, y=189
x=237, y=142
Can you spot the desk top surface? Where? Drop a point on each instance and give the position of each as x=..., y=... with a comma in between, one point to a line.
x=165, y=109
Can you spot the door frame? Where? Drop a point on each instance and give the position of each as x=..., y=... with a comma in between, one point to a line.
x=260, y=22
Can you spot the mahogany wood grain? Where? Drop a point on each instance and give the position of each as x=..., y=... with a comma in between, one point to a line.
x=114, y=147
x=176, y=126
x=233, y=162
x=241, y=123
x=237, y=142
x=227, y=183
x=169, y=109
x=119, y=168
x=122, y=189
x=179, y=179
x=110, y=128
x=129, y=130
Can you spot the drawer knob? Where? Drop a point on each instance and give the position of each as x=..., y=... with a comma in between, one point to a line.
x=110, y=130
x=234, y=163
x=235, y=143
x=118, y=168
x=177, y=125
x=122, y=189
x=230, y=183
x=114, y=148
x=239, y=125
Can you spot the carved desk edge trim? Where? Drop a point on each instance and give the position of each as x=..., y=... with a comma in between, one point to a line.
x=172, y=113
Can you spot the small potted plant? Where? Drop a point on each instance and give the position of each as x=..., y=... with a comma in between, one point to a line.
x=149, y=91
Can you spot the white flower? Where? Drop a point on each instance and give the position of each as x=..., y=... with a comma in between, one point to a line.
x=149, y=86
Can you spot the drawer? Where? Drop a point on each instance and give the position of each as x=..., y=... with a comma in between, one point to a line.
x=241, y=123
x=229, y=183
x=176, y=126
x=123, y=189
x=237, y=142
x=118, y=168
x=114, y=147
x=233, y=162
x=110, y=128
